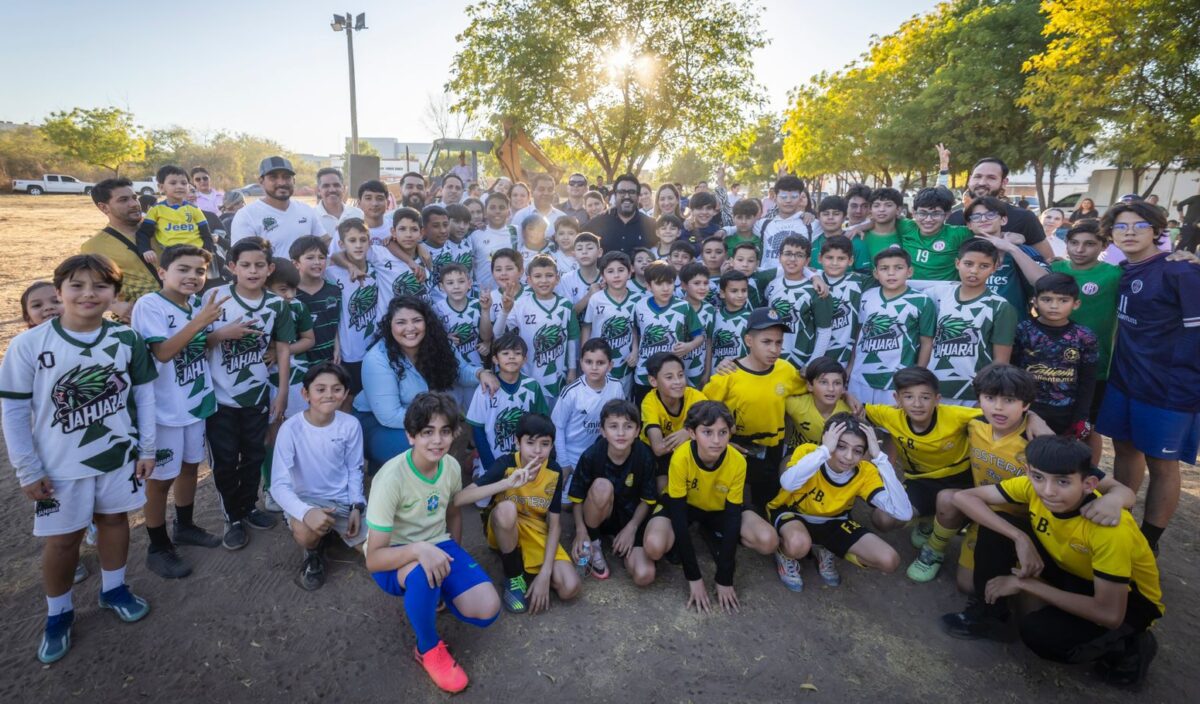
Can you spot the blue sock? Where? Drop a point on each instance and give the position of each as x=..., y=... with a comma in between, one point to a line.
x=480, y=622
x=420, y=603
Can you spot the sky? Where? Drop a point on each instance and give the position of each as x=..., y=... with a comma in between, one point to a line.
x=277, y=69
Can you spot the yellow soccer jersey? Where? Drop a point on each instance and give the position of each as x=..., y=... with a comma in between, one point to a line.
x=757, y=399
x=176, y=224
x=993, y=461
x=706, y=488
x=821, y=497
x=536, y=498
x=1117, y=553
x=656, y=415
x=808, y=424
x=940, y=451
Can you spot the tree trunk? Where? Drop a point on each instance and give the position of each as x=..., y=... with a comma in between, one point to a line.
x=1161, y=169
x=1116, y=187
x=1039, y=175
x=1049, y=202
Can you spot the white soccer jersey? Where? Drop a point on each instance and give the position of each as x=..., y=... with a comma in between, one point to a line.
x=548, y=328
x=774, y=231
x=80, y=395
x=397, y=278
x=363, y=304
x=528, y=254
x=613, y=322
x=659, y=330
x=499, y=413
x=727, y=334
x=566, y=263
x=463, y=325
x=890, y=335
x=846, y=296
x=966, y=332
x=238, y=370
x=183, y=391
x=484, y=244
x=791, y=299
x=693, y=364
x=573, y=286
x=577, y=417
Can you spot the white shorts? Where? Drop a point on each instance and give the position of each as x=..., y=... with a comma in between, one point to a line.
x=75, y=500
x=341, y=520
x=177, y=445
x=867, y=394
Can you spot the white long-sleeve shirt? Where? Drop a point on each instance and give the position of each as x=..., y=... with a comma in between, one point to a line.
x=893, y=499
x=318, y=462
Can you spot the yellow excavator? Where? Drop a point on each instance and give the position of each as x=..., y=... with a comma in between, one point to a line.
x=509, y=154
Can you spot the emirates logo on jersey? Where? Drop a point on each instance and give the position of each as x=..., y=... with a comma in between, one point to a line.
x=87, y=395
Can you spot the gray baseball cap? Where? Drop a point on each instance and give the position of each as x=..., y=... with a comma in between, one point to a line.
x=275, y=163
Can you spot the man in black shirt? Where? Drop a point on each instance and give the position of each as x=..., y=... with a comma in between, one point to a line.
x=989, y=178
x=623, y=228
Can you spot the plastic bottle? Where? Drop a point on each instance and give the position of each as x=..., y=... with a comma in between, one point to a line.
x=585, y=555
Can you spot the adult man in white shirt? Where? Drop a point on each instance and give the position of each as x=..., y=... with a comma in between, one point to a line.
x=543, y=204
x=452, y=189
x=276, y=217
x=412, y=190
x=331, y=208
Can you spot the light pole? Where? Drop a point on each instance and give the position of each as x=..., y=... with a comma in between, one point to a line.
x=344, y=22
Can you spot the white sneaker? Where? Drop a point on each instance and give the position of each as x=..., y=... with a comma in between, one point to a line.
x=789, y=572
x=475, y=475
x=827, y=566
x=269, y=503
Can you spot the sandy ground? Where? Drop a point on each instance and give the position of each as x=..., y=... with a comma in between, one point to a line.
x=239, y=630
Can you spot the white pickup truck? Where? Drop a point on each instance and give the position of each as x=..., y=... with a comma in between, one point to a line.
x=52, y=183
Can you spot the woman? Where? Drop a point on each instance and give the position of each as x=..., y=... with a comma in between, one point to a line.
x=1086, y=209
x=411, y=354
x=666, y=202
x=519, y=197
x=646, y=199
x=1052, y=222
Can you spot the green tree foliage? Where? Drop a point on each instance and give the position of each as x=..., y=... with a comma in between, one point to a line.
x=688, y=167
x=364, y=148
x=103, y=137
x=617, y=80
x=753, y=153
x=25, y=152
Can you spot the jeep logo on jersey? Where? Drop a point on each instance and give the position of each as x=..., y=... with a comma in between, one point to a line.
x=163, y=457
x=465, y=332
x=880, y=334
x=87, y=395
x=362, y=307
x=725, y=345
x=406, y=285
x=506, y=429
x=617, y=333
x=955, y=338
x=239, y=354
x=547, y=345
x=189, y=363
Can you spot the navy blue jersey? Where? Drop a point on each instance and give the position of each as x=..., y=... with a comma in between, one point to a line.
x=1156, y=358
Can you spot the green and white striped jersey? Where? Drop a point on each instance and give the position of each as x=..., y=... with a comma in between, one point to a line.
x=499, y=413
x=845, y=297
x=693, y=364
x=464, y=326
x=806, y=312
x=727, y=334
x=660, y=329
x=547, y=327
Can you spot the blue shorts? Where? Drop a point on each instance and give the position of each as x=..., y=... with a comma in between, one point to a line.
x=465, y=573
x=1155, y=432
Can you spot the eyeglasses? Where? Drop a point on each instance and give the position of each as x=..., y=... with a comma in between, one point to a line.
x=981, y=217
x=626, y=192
x=1141, y=227
x=929, y=214
x=576, y=183
x=792, y=255
x=199, y=178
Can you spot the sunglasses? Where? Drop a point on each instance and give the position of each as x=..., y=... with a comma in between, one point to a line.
x=576, y=183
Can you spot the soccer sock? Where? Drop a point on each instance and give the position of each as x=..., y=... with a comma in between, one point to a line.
x=420, y=603
x=183, y=514
x=159, y=541
x=480, y=622
x=111, y=579
x=60, y=604
x=513, y=565
x=940, y=537
x=1152, y=533
x=853, y=559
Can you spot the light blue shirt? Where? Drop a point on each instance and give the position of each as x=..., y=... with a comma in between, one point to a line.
x=386, y=395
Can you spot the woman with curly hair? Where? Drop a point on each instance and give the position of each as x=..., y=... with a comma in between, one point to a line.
x=411, y=354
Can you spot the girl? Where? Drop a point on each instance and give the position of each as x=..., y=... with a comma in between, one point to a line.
x=1085, y=211
x=475, y=206
x=646, y=199
x=39, y=303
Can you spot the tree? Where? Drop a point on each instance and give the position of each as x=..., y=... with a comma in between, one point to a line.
x=618, y=79
x=26, y=153
x=445, y=122
x=688, y=167
x=755, y=151
x=364, y=149
x=104, y=137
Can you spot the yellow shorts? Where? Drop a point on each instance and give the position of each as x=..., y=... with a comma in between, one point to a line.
x=966, y=554
x=531, y=538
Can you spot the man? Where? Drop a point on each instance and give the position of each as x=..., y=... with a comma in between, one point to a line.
x=116, y=199
x=573, y=205
x=543, y=204
x=990, y=178
x=452, y=189
x=208, y=198
x=276, y=217
x=623, y=228
x=461, y=170
x=412, y=190
x=331, y=206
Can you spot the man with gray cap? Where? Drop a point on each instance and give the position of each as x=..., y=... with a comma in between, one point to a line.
x=276, y=217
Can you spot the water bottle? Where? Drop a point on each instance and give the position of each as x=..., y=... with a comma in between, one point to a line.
x=585, y=556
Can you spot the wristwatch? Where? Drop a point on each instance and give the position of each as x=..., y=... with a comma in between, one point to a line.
x=362, y=508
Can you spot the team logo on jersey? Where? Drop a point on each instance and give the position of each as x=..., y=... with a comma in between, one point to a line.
x=1071, y=355
x=242, y=353
x=841, y=315
x=406, y=285
x=433, y=503
x=939, y=246
x=784, y=309
x=617, y=332
x=465, y=332
x=548, y=345
x=189, y=363
x=362, y=307
x=880, y=334
x=442, y=259
x=1136, y=286
x=775, y=241
x=955, y=338
x=506, y=428
x=87, y=395
x=270, y=224
x=1090, y=288
x=163, y=457
x=46, y=507
x=467, y=259
x=725, y=344
x=656, y=338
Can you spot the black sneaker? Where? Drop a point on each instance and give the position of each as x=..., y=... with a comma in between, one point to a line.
x=167, y=564
x=312, y=572
x=1128, y=669
x=193, y=534
x=260, y=520
x=236, y=537
x=975, y=623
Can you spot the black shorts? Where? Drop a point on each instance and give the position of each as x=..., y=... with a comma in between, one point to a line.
x=710, y=521
x=354, y=369
x=1097, y=400
x=837, y=535
x=1059, y=419
x=923, y=492
x=616, y=522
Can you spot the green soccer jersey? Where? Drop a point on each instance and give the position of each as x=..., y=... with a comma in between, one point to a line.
x=727, y=334
x=869, y=245
x=891, y=333
x=933, y=257
x=1098, y=294
x=183, y=391
x=693, y=364
x=845, y=297
x=806, y=313
x=660, y=329
x=325, y=308
x=238, y=369
x=966, y=333
x=613, y=322
x=733, y=239
x=298, y=364
x=547, y=327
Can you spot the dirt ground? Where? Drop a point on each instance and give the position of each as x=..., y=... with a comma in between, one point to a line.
x=239, y=630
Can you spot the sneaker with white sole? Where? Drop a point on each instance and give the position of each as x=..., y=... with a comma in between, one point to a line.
x=925, y=568
x=827, y=566
x=128, y=606
x=56, y=639
x=599, y=566
x=259, y=519
x=789, y=572
x=920, y=534
x=269, y=503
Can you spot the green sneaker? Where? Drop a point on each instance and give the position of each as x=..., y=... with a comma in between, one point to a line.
x=920, y=533
x=514, y=595
x=925, y=568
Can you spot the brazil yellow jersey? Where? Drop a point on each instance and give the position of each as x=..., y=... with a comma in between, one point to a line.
x=656, y=415
x=1087, y=550
x=940, y=451
x=821, y=496
x=993, y=461
x=176, y=224
x=708, y=488
x=757, y=399
x=807, y=423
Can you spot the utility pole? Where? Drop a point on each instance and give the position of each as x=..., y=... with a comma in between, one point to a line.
x=349, y=24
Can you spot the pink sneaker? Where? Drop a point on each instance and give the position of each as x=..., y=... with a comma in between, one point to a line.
x=442, y=669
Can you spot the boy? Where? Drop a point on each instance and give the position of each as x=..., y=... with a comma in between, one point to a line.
x=845, y=296
x=885, y=208
x=578, y=285
x=665, y=407
x=318, y=471
x=60, y=381
x=413, y=532
x=252, y=320
x=398, y=265
x=807, y=414
x=729, y=322
x=811, y=512
x=566, y=229
x=523, y=523
x=681, y=254
x=497, y=235
x=461, y=226
x=493, y=419
x=831, y=216
x=284, y=281
x=702, y=221
x=1061, y=356
x=745, y=212
x=174, y=323
x=609, y=316
x=642, y=258
x=667, y=229
x=694, y=280
x=174, y=220
x=435, y=235
x=322, y=297
x=712, y=255
x=373, y=200
x=897, y=329
x=469, y=329
x=1019, y=266
x=808, y=317
x=745, y=261
x=534, y=240
x=362, y=301
x=930, y=242
x=1099, y=584
x=663, y=323
x=507, y=273
x=975, y=326
x=549, y=326
x=614, y=487
x=789, y=221
x=577, y=413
